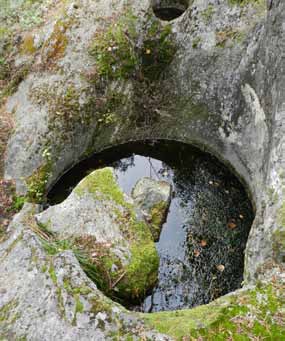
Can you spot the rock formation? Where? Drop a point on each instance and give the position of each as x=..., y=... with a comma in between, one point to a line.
x=78, y=77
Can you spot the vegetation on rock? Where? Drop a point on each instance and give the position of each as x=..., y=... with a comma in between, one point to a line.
x=251, y=314
x=127, y=279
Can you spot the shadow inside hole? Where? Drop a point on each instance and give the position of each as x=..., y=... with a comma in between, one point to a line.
x=202, y=243
x=169, y=9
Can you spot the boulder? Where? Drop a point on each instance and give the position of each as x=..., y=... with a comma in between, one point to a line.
x=109, y=227
x=45, y=294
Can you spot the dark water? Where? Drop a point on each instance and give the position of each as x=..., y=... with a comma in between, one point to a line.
x=202, y=243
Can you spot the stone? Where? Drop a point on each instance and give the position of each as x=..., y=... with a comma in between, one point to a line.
x=49, y=297
x=102, y=221
x=153, y=199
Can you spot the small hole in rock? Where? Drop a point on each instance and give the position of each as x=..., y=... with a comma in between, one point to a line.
x=169, y=9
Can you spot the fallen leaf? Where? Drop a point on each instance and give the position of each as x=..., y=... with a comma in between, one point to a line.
x=196, y=253
x=221, y=267
x=232, y=225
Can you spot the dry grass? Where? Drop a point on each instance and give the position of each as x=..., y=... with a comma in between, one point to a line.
x=6, y=127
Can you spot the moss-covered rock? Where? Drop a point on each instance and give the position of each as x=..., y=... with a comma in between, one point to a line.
x=153, y=199
x=252, y=313
x=99, y=222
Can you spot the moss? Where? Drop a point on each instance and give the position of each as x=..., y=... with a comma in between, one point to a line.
x=14, y=80
x=119, y=54
x=52, y=273
x=44, y=268
x=127, y=282
x=196, y=42
x=54, y=48
x=69, y=108
x=246, y=2
x=7, y=314
x=281, y=215
x=37, y=183
x=11, y=246
x=23, y=14
x=253, y=314
x=141, y=272
x=79, y=308
x=181, y=323
x=100, y=304
x=82, y=290
x=102, y=183
x=158, y=49
x=229, y=36
x=157, y=217
x=113, y=49
x=18, y=203
x=28, y=46
x=191, y=110
x=208, y=13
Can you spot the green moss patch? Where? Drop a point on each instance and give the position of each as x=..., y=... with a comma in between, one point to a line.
x=253, y=314
x=129, y=280
x=119, y=53
x=8, y=314
x=135, y=279
x=157, y=217
x=10, y=204
x=37, y=183
x=102, y=183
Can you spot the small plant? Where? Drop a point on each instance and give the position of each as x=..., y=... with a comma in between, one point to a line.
x=18, y=203
x=114, y=49
x=124, y=51
x=37, y=183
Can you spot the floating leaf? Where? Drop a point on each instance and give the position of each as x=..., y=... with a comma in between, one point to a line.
x=221, y=267
x=232, y=225
x=196, y=253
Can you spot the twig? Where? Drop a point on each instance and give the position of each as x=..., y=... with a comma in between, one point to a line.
x=118, y=280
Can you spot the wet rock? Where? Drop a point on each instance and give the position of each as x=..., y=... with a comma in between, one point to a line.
x=153, y=199
x=102, y=221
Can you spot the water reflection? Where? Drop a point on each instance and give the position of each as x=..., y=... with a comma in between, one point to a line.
x=204, y=237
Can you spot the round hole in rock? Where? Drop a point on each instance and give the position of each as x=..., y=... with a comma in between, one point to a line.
x=169, y=9
x=202, y=242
